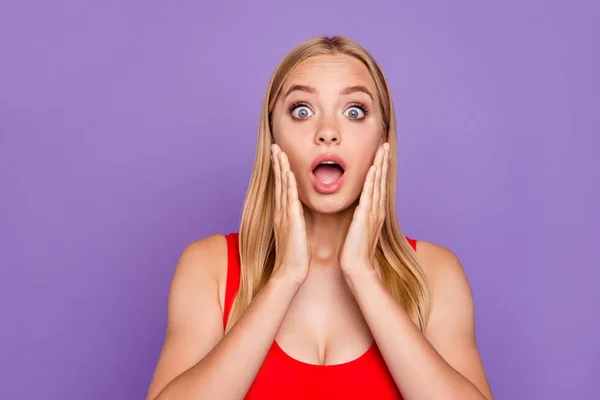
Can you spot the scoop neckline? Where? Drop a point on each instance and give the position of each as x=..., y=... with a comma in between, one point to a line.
x=293, y=360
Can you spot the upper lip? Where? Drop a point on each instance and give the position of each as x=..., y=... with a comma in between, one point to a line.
x=328, y=157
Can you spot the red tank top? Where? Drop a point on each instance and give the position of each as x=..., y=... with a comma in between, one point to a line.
x=284, y=377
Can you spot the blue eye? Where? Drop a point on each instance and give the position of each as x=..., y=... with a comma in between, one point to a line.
x=354, y=112
x=357, y=111
x=299, y=111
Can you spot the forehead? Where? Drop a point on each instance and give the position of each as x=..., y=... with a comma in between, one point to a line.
x=331, y=71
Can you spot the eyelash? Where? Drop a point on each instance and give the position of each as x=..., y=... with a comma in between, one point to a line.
x=362, y=106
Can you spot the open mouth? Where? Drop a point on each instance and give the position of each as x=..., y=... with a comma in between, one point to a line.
x=328, y=172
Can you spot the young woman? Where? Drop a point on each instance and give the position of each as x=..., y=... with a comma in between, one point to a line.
x=320, y=295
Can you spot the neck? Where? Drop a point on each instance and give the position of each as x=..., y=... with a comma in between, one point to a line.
x=326, y=232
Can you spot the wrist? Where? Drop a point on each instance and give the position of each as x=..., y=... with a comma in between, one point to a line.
x=361, y=275
x=285, y=281
x=362, y=271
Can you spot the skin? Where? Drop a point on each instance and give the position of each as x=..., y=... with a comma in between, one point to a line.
x=324, y=324
x=338, y=305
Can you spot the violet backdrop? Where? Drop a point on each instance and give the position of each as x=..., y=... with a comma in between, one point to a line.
x=128, y=130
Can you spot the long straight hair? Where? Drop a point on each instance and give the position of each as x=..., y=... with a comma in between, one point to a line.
x=401, y=272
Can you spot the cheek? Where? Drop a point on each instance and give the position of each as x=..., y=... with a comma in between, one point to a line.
x=291, y=144
x=364, y=144
x=292, y=139
x=277, y=123
x=363, y=155
x=285, y=133
x=367, y=133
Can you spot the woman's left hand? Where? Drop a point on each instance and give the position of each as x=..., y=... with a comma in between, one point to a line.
x=357, y=254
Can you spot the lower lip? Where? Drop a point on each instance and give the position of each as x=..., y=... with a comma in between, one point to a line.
x=327, y=188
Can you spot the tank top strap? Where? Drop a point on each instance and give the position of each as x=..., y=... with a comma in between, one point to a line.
x=233, y=273
x=412, y=242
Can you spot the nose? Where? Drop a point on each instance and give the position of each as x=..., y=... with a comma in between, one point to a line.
x=328, y=135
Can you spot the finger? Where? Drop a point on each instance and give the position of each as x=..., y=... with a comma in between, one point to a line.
x=277, y=173
x=384, y=174
x=294, y=201
x=284, y=170
x=365, y=197
x=379, y=158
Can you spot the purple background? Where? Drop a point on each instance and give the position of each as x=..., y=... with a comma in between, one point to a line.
x=128, y=130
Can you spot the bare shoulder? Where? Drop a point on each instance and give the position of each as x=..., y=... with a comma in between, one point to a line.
x=194, y=316
x=451, y=294
x=206, y=256
x=441, y=265
x=194, y=289
x=451, y=325
x=204, y=262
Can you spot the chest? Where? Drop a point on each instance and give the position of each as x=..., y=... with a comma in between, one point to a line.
x=324, y=324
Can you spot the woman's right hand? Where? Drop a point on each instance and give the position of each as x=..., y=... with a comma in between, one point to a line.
x=292, y=248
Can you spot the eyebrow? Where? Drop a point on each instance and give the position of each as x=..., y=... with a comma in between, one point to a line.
x=345, y=91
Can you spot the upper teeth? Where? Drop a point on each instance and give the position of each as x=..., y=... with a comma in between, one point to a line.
x=328, y=162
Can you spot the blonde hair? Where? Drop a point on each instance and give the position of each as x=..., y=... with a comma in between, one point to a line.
x=400, y=269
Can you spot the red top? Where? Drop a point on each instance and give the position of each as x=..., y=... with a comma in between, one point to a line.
x=284, y=377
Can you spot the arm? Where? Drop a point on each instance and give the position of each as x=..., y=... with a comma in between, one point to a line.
x=197, y=361
x=442, y=364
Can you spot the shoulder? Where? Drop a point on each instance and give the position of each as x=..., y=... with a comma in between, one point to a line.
x=194, y=318
x=202, y=262
x=451, y=326
x=449, y=285
x=206, y=253
x=437, y=260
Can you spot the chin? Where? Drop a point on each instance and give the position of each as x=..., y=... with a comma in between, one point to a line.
x=328, y=204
